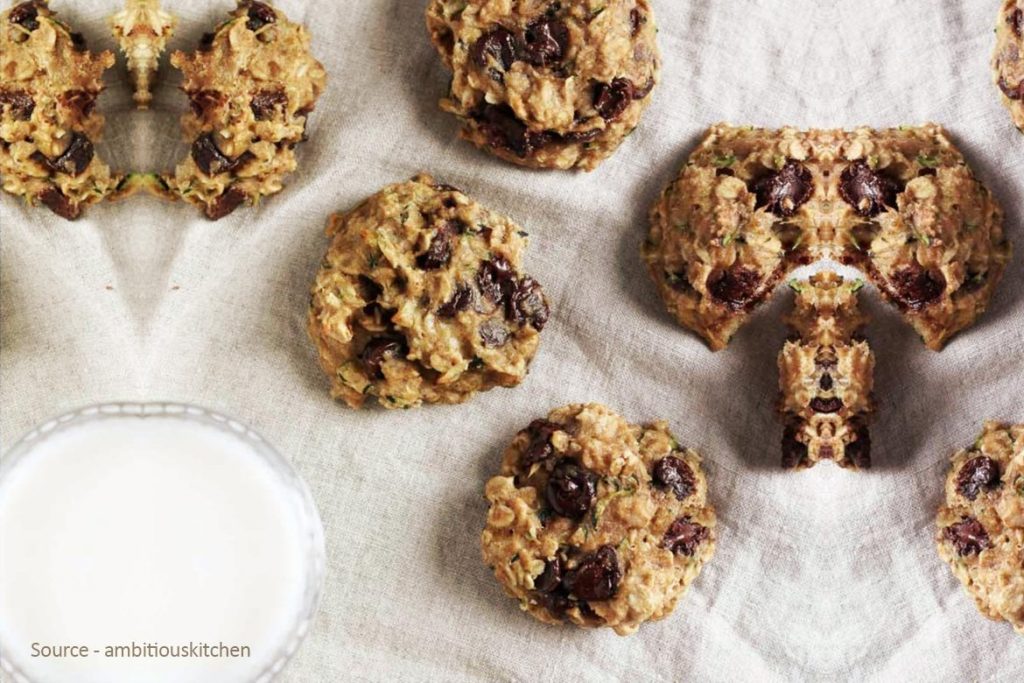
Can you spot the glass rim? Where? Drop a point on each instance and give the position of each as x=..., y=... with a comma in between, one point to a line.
x=316, y=557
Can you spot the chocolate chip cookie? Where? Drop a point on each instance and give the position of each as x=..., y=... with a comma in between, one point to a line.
x=597, y=522
x=251, y=87
x=49, y=122
x=547, y=84
x=421, y=298
x=826, y=376
x=900, y=204
x=1008, y=60
x=981, y=526
x=142, y=30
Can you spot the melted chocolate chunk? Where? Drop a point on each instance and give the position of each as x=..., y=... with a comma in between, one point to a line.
x=526, y=304
x=915, y=287
x=636, y=21
x=494, y=333
x=20, y=103
x=495, y=279
x=596, y=577
x=571, y=489
x=968, y=536
x=544, y=42
x=683, y=537
x=674, y=474
x=265, y=102
x=25, y=15
x=866, y=190
x=461, y=300
x=1016, y=22
x=977, y=474
x=439, y=253
x=259, y=16
x=225, y=204
x=611, y=99
x=1013, y=92
x=735, y=287
x=505, y=131
x=211, y=160
x=785, y=191
x=55, y=200
x=550, y=579
x=500, y=45
x=379, y=349
x=73, y=161
x=539, y=448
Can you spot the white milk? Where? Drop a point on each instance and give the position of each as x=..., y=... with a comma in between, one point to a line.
x=152, y=530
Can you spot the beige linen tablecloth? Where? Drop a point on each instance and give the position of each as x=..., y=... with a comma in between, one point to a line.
x=819, y=575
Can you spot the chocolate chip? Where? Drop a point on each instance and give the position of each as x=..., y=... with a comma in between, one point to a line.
x=25, y=15
x=611, y=100
x=683, y=536
x=527, y=304
x=826, y=405
x=550, y=579
x=734, y=287
x=675, y=475
x=794, y=452
x=636, y=20
x=859, y=451
x=544, y=42
x=968, y=536
x=494, y=333
x=82, y=102
x=866, y=190
x=785, y=191
x=259, y=16
x=211, y=160
x=55, y=200
x=461, y=299
x=73, y=161
x=826, y=383
x=505, y=131
x=226, y=203
x=500, y=45
x=380, y=349
x=539, y=449
x=596, y=577
x=439, y=253
x=264, y=103
x=1016, y=22
x=20, y=103
x=916, y=287
x=1013, y=92
x=571, y=489
x=976, y=474
x=495, y=279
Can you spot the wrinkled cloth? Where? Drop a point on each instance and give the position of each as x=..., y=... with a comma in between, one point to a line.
x=824, y=575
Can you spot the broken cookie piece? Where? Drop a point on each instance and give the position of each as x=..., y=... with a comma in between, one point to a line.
x=826, y=376
x=251, y=87
x=142, y=30
x=49, y=121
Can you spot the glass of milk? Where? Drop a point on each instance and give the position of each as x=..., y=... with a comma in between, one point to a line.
x=156, y=543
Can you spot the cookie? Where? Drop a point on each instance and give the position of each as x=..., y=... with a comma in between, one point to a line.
x=421, y=298
x=1008, y=60
x=251, y=87
x=981, y=526
x=142, y=30
x=826, y=373
x=597, y=522
x=49, y=122
x=547, y=84
x=900, y=204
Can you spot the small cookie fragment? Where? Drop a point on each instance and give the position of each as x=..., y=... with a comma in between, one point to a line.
x=1008, y=60
x=142, y=30
x=421, y=298
x=900, y=204
x=49, y=122
x=597, y=522
x=547, y=84
x=826, y=377
x=251, y=86
x=981, y=526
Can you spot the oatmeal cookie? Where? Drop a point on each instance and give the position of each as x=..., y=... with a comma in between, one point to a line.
x=597, y=522
x=1008, y=61
x=981, y=526
x=421, y=298
x=900, y=204
x=251, y=85
x=547, y=84
x=826, y=376
x=49, y=83
x=142, y=30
